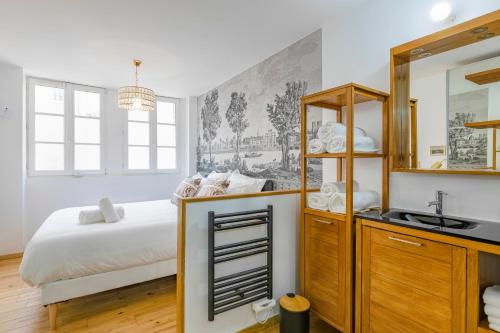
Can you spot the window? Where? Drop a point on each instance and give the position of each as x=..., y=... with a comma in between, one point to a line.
x=152, y=138
x=64, y=128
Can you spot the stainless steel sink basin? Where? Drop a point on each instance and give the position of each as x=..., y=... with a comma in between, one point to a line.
x=431, y=220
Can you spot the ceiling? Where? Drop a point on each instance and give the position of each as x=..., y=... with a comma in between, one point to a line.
x=187, y=46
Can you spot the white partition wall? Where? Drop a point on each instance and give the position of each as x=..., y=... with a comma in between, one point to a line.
x=285, y=230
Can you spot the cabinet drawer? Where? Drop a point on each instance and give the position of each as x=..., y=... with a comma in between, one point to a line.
x=322, y=229
x=414, y=245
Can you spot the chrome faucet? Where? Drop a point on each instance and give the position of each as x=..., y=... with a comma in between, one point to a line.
x=438, y=202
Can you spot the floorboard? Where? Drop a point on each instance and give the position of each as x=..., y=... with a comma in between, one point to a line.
x=142, y=308
x=147, y=307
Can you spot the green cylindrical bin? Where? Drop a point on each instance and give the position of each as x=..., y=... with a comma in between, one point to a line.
x=294, y=310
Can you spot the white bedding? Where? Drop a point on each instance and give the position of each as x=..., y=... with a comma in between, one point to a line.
x=63, y=249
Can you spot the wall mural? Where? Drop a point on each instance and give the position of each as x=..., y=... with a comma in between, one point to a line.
x=467, y=147
x=252, y=121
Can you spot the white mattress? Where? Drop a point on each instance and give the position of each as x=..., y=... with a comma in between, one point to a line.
x=63, y=249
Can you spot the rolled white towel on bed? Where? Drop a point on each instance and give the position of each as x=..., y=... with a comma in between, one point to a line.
x=491, y=296
x=361, y=144
x=95, y=216
x=317, y=200
x=108, y=210
x=330, y=188
x=316, y=146
x=361, y=201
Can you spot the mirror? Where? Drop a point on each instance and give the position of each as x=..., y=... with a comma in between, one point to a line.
x=450, y=96
x=446, y=101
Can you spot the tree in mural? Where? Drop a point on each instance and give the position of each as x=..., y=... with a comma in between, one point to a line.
x=285, y=117
x=235, y=116
x=211, y=119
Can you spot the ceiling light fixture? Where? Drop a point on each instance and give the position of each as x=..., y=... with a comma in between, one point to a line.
x=135, y=98
x=440, y=11
x=424, y=55
x=416, y=51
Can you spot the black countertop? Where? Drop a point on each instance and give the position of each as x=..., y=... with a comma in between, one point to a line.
x=484, y=231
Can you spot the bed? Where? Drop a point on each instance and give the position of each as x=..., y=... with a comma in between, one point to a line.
x=66, y=259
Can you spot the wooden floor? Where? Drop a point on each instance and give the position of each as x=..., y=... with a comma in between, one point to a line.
x=316, y=326
x=143, y=308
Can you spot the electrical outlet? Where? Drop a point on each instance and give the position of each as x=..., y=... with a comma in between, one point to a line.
x=267, y=304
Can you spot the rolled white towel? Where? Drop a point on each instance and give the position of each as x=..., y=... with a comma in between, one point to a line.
x=361, y=201
x=365, y=144
x=316, y=146
x=492, y=310
x=337, y=144
x=491, y=295
x=317, y=200
x=329, y=130
x=494, y=320
x=330, y=188
x=494, y=327
x=341, y=129
x=361, y=144
x=95, y=216
x=108, y=211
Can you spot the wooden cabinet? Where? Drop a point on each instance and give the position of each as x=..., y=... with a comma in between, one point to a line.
x=409, y=284
x=325, y=267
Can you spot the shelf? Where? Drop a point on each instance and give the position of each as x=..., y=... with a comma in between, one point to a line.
x=336, y=98
x=483, y=327
x=484, y=124
x=344, y=155
x=326, y=214
x=485, y=77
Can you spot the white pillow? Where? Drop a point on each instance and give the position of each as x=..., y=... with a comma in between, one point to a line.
x=242, y=184
x=219, y=176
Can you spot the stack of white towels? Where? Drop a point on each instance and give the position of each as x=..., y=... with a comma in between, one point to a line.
x=106, y=213
x=332, y=197
x=332, y=139
x=491, y=298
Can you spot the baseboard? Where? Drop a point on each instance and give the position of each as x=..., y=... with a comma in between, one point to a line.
x=257, y=328
x=11, y=256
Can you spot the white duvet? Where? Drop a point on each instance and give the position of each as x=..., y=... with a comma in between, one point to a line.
x=62, y=248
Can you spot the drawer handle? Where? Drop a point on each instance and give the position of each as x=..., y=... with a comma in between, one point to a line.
x=404, y=241
x=322, y=221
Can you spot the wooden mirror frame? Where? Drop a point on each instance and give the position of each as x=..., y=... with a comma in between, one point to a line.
x=403, y=157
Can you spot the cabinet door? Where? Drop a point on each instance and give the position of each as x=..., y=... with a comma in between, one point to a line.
x=325, y=268
x=411, y=284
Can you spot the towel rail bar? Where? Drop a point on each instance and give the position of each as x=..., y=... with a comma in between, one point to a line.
x=231, y=291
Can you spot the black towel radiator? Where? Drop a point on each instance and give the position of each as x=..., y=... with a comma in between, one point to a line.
x=234, y=290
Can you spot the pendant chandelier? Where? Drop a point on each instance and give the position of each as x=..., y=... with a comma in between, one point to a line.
x=135, y=98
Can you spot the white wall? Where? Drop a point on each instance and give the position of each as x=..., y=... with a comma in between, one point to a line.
x=356, y=47
x=47, y=194
x=11, y=158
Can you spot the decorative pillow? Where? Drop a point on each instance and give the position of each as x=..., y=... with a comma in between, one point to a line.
x=215, y=177
x=239, y=183
x=186, y=189
x=214, y=189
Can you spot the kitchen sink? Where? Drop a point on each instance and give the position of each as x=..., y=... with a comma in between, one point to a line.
x=431, y=220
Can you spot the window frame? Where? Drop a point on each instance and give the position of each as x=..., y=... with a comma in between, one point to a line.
x=69, y=127
x=153, y=141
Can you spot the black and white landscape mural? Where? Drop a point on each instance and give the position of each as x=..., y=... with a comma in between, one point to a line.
x=252, y=121
x=467, y=147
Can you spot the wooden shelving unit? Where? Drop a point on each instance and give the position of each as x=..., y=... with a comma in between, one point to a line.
x=485, y=77
x=493, y=124
x=326, y=272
